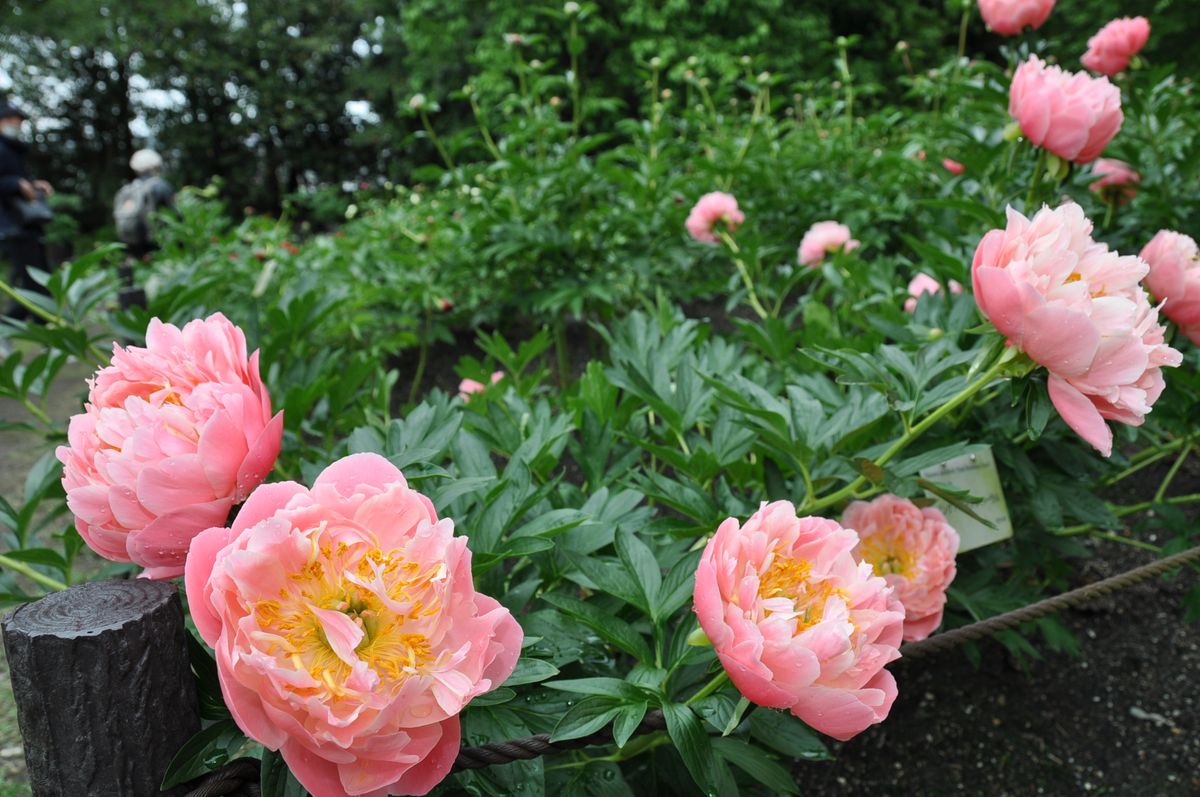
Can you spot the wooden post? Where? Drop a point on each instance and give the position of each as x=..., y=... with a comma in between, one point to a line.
x=104, y=691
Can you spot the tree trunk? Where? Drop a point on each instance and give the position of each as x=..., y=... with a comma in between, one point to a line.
x=104, y=691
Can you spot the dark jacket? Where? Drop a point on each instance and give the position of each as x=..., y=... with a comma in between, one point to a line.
x=12, y=172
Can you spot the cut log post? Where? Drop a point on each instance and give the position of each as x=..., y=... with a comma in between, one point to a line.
x=104, y=691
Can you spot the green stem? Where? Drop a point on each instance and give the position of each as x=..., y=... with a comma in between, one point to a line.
x=437, y=142
x=962, y=36
x=576, y=111
x=919, y=429
x=1125, y=511
x=1108, y=214
x=31, y=574
x=1107, y=535
x=735, y=251
x=37, y=310
x=1035, y=185
x=716, y=683
x=422, y=358
x=1166, y=482
x=488, y=141
x=37, y=412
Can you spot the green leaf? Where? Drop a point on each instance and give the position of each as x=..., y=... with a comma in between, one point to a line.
x=693, y=744
x=627, y=722
x=783, y=732
x=585, y=717
x=610, y=687
x=757, y=764
x=201, y=754
x=640, y=562
x=530, y=671
x=208, y=685
x=276, y=780
x=612, y=629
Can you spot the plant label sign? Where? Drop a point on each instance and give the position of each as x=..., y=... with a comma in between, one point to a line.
x=975, y=473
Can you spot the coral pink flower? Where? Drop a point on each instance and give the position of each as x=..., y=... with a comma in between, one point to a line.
x=1175, y=279
x=469, y=387
x=1010, y=17
x=913, y=549
x=797, y=622
x=923, y=283
x=1118, y=181
x=711, y=209
x=821, y=239
x=953, y=166
x=1077, y=309
x=347, y=629
x=1073, y=115
x=1114, y=46
x=172, y=436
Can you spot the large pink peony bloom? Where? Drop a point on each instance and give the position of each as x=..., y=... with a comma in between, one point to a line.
x=821, y=239
x=1174, y=279
x=1077, y=309
x=1117, y=181
x=172, y=436
x=923, y=283
x=1010, y=17
x=1073, y=115
x=913, y=549
x=1114, y=46
x=797, y=622
x=347, y=629
x=711, y=209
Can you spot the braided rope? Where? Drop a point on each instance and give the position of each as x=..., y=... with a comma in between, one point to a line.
x=235, y=775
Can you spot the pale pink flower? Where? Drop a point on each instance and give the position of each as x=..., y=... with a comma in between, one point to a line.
x=469, y=387
x=347, y=629
x=913, y=549
x=1174, y=279
x=1070, y=114
x=796, y=622
x=923, y=283
x=1118, y=181
x=823, y=238
x=1010, y=17
x=953, y=166
x=1076, y=308
x=172, y=436
x=1114, y=46
x=711, y=209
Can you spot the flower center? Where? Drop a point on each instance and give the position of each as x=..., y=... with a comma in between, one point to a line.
x=347, y=605
x=793, y=579
x=888, y=556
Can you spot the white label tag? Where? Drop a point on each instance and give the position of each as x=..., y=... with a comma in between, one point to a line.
x=976, y=473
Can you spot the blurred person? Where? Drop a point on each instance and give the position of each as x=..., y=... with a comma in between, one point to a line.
x=23, y=209
x=133, y=212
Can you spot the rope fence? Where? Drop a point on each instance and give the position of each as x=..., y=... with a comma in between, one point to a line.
x=240, y=777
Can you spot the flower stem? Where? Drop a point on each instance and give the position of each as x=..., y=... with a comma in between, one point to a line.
x=716, y=683
x=735, y=252
x=916, y=431
x=1162, y=488
x=31, y=574
x=1125, y=511
x=1039, y=170
x=962, y=36
x=437, y=142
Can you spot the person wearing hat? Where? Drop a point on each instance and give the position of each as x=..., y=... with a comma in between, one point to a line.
x=22, y=206
x=133, y=212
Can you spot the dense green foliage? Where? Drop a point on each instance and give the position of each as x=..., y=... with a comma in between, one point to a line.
x=257, y=93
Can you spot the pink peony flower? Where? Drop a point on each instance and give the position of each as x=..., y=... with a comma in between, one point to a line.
x=1174, y=279
x=347, y=629
x=923, y=283
x=821, y=239
x=1077, y=309
x=913, y=549
x=1114, y=46
x=172, y=436
x=1072, y=115
x=712, y=208
x=1118, y=181
x=953, y=166
x=1010, y=17
x=469, y=387
x=796, y=622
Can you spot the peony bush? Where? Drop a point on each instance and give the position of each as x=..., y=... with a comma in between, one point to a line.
x=558, y=437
